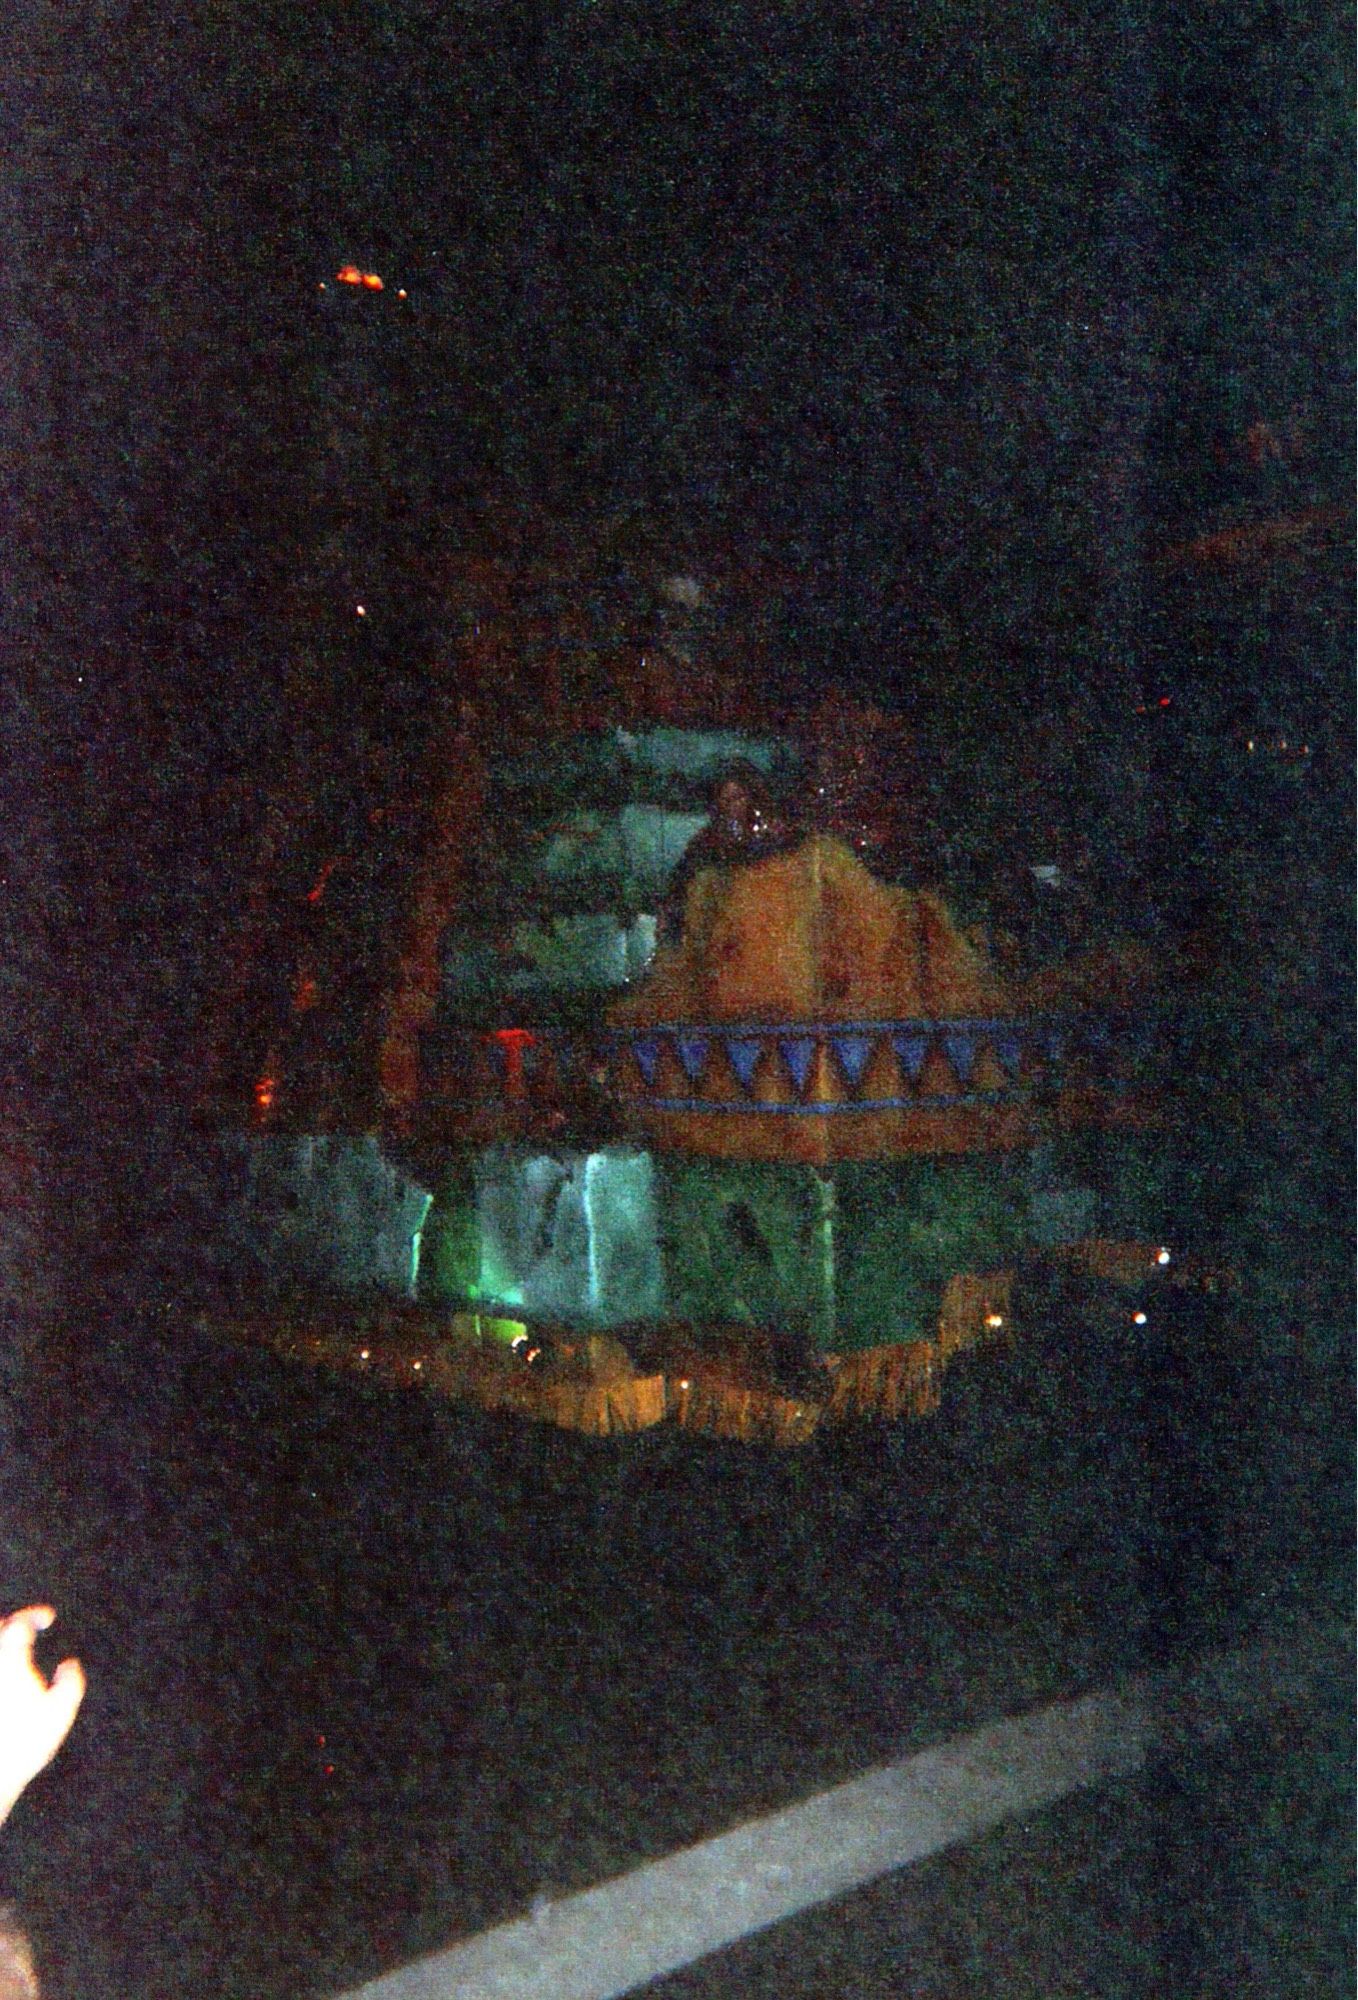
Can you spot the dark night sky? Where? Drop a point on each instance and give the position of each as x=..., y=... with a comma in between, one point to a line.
x=959, y=306
x=910, y=288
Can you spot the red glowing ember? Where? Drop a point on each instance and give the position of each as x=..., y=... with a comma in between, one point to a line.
x=317, y=889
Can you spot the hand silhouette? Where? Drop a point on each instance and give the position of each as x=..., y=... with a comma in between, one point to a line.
x=34, y=1717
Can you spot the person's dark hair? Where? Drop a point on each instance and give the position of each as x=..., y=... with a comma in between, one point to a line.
x=745, y=774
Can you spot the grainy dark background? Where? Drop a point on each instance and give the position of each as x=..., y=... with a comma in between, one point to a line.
x=961, y=310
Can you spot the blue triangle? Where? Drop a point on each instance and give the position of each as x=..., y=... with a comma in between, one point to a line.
x=743, y=1053
x=852, y=1052
x=646, y=1052
x=692, y=1054
x=961, y=1045
x=1008, y=1046
x=798, y=1053
x=911, y=1046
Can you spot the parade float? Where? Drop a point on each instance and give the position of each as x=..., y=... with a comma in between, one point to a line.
x=625, y=1064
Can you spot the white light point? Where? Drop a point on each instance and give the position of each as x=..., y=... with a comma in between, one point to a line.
x=1138, y=1319
x=1162, y=1256
x=360, y=611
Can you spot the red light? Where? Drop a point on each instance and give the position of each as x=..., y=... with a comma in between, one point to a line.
x=264, y=1093
x=314, y=894
x=1165, y=700
x=514, y=1041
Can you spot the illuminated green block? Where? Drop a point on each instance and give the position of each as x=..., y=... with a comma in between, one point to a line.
x=450, y=1245
x=564, y=1235
x=903, y=1228
x=746, y=1243
x=857, y=1257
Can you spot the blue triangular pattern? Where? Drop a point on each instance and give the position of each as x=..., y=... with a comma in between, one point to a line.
x=798, y=1053
x=1008, y=1046
x=743, y=1053
x=852, y=1053
x=646, y=1051
x=961, y=1045
x=692, y=1051
x=911, y=1046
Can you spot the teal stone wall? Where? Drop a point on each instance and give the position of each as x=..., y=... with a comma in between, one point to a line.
x=903, y=1228
x=567, y=1235
x=855, y=1257
x=747, y=1243
x=450, y=1247
x=574, y=860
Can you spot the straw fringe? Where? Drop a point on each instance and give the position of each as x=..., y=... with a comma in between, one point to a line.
x=728, y=1410
x=885, y=1382
x=601, y=1397
x=974, y=1307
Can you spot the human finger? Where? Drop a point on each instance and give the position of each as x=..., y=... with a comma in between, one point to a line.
x=21, y=1628
x=65, y=1694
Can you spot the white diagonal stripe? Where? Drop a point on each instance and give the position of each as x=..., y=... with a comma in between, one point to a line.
x=605, y=1941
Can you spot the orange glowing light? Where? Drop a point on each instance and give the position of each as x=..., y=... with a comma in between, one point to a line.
x=371, y=281
x=264, y=1093
x=349, y=274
